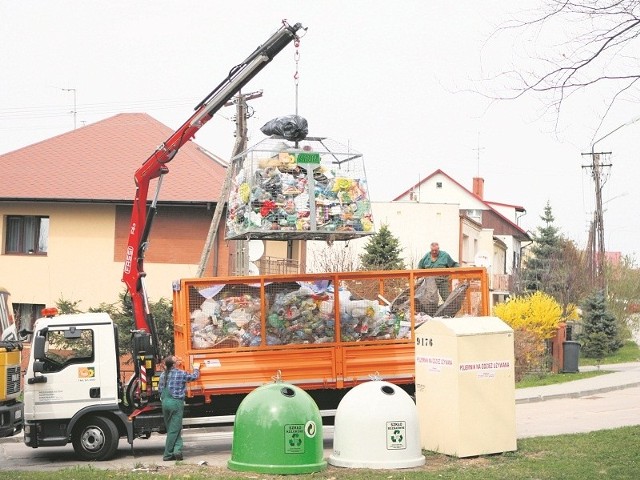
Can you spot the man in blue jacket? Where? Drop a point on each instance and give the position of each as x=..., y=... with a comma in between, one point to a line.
x=436, y=258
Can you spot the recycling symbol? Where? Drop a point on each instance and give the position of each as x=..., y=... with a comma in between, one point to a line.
x=295, y=440
x=396, y=437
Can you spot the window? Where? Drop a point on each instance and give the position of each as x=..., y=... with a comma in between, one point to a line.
x=26, y=234
x=64, y=347
x=26, y=314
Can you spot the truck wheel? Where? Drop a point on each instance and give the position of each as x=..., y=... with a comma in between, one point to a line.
x=96, y=438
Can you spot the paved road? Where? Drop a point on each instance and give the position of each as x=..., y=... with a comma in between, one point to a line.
x=596, y=411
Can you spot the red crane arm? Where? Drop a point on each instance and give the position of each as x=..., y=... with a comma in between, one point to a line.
x=156, y=166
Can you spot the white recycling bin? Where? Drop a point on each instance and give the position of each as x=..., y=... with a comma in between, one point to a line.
x=376, y=426
x=465, y=386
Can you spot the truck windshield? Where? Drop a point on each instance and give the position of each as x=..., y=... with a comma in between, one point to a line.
x=62, y=350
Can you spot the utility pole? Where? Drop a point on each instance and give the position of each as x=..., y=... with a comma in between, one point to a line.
x=75, y=109
x=596, y=236
x=598, y=268
x=240, y=146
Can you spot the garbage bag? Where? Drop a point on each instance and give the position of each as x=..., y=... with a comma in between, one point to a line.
x=292, y=127
x=427, y=296
x=454, y=301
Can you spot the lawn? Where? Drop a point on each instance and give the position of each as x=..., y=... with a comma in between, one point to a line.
x=603, y=454
x=630, y=352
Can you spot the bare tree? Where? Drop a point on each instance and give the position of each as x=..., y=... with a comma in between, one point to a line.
x=338, y=257
x=588, y=46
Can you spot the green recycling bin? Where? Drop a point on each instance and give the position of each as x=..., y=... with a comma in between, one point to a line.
x=277, y=430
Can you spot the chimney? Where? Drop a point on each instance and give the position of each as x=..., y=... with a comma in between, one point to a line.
x=478, y=187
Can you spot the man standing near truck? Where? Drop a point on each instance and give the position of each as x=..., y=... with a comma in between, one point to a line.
x=436, y=258
x=172, y=386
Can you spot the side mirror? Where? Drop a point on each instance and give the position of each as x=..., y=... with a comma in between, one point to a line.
x=38, y=366
x=38, y=346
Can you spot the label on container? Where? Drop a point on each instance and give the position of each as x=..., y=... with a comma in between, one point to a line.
x=396, y=435
x=294, y=438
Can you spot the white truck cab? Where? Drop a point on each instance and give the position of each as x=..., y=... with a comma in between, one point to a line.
x=71, y=385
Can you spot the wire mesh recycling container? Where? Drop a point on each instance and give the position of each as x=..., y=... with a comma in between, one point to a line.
x=277, y=430
x=465, y=386
x=376, y=426
x=314, y=189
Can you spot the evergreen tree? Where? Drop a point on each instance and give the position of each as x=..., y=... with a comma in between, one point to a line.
x=382, y=252
x=600, y=329
x=122, y=315
x=541, y=271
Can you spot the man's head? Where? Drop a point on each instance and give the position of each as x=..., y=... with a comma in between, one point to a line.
x=435, y=248
x=171, y=361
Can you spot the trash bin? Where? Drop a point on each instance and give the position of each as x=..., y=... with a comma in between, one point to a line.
x=570, y=354
x=277, y=430
x=465, y=388
x=376, y=426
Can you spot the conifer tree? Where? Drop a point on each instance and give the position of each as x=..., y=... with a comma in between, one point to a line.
x=597, y=322
x=540, y=272
x=382, y=252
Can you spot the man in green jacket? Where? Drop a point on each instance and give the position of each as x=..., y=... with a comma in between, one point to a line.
x=436, y=258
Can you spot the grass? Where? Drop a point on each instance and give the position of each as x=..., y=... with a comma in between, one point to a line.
x=602, y=454
x=630, y=352
x=541, y=380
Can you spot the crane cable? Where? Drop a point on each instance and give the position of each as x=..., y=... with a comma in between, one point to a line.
x=296, y=75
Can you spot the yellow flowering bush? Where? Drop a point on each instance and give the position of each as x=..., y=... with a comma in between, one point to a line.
x=537, y=313
x=534, y=319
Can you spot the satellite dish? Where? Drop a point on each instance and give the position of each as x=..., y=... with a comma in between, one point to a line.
x=253, y=269
x=256, y=250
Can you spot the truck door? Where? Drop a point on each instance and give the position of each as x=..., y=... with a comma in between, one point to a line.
x=69, y=371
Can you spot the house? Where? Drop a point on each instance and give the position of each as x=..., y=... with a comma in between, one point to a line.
x=501, y=218
x=474, y=231
x=65, y=208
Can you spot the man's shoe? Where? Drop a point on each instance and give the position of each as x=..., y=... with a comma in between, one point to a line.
x=177, y=456
x=169, y=458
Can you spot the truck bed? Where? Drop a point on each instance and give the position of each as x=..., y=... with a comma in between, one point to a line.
x=247, y=331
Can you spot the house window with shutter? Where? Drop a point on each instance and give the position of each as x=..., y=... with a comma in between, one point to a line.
x=26, y=234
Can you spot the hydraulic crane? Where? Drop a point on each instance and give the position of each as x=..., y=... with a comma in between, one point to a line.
x=145, y=339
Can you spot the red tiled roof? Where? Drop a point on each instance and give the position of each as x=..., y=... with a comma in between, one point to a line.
x=98, y=162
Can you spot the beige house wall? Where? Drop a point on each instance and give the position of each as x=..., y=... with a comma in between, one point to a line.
x=79, y=265
x=415, y=225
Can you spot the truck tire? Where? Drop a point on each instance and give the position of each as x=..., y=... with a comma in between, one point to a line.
x=96, y=439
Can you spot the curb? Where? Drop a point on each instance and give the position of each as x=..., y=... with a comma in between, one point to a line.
x=578, y=394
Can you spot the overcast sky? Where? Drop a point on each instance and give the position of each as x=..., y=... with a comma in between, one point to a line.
x=396, y=81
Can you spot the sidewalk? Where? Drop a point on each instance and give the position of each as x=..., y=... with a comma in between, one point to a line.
x=626, y=375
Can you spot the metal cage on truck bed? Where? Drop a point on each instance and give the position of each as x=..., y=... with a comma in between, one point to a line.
x=320, y=331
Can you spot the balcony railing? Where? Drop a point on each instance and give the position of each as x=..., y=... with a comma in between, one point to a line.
x=501, y=282
x=277, y=266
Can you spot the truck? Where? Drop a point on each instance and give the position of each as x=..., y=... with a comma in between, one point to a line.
x=11, y=410
x=324, y=332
